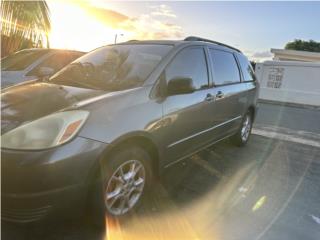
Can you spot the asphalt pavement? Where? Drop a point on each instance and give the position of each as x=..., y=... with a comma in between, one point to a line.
x=295, y=117
x=269, y=189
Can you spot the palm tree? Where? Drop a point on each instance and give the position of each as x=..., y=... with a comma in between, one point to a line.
x=24, y=23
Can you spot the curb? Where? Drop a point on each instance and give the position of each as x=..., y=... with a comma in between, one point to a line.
x=289, y=104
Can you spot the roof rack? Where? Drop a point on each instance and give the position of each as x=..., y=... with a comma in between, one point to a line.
x=193, y=38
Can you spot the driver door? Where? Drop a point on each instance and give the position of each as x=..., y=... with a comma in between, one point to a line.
x=187, y=116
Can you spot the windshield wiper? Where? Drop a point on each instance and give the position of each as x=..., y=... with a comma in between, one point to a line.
x=73, y=83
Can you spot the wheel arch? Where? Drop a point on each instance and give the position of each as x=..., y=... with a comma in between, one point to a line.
x=252, y=110
x=141, y=139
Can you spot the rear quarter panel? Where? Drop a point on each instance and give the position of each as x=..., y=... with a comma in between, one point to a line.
x=253, y=94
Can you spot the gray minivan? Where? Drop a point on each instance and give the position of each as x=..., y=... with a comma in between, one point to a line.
x=119, y=115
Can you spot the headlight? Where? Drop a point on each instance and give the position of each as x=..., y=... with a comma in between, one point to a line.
x=46, y=132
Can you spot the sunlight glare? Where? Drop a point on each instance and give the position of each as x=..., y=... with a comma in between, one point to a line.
x=73, y=28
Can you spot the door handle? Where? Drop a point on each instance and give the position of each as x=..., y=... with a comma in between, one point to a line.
x=219, y=94
x=209, y=97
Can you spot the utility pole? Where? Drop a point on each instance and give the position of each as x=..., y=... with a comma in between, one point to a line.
x=115, y=37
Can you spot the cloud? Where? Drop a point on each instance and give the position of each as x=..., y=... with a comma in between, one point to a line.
x=264, y=54
x=147, y=27
x=106, y=16
x=258, y=56
x=154, y=25
x=162, y=10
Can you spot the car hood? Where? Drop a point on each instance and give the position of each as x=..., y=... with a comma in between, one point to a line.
x=25, y=103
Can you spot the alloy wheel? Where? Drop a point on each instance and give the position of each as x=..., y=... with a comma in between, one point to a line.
x=125, y=187
x=246, y=127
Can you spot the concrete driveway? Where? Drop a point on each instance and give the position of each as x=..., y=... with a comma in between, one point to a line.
x=269, y=189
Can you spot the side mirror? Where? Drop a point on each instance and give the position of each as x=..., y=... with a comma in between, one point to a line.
x=180, y=85
x=45, y=72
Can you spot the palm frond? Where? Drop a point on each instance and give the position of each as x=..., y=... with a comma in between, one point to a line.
x=24, y=20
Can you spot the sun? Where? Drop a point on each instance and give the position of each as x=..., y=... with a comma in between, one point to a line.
x=73, y=28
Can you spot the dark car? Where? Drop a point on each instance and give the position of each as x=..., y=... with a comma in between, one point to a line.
x=33, y=64
x=120, y=114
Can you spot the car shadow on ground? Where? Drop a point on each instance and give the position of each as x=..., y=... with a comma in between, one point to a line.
x=181, y=184
x=221, y=192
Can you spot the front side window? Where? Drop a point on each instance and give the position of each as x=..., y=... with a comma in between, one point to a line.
x=191, y=63
x=113, y=68
x=247, y=70
x=225, y=68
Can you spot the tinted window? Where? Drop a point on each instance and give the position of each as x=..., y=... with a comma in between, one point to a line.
x=248, y=73
x=225, y=68
x=189, y=63
x=21, y=60
x=115, y=67
x=56, y=61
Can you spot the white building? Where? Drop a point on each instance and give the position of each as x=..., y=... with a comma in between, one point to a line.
x=289, y=81
x=293, y=55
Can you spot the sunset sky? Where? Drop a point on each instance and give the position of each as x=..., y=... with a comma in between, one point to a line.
x=254, y=27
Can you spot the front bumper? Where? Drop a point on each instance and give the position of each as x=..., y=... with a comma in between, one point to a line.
x=42, y=184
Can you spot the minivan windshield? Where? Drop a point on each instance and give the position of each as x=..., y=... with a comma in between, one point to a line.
x=22, y=59
x=112, y=68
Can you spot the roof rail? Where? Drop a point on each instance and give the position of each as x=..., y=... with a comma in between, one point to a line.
x=193, y=38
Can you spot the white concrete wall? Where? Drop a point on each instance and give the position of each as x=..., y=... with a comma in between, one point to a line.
x=292, y=82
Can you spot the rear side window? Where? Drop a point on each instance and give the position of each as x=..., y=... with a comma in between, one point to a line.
x=189, y=62
x=247, y=70
x=225, y=68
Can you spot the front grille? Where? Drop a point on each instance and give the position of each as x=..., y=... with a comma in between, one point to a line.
x=24, y=215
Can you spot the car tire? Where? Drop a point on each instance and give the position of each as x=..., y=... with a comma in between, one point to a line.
x=243, y=134
x=126, y=176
